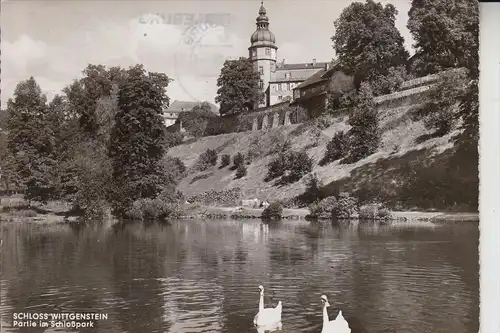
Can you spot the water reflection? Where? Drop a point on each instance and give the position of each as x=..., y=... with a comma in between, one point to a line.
x=270, y=328
x=201, y=276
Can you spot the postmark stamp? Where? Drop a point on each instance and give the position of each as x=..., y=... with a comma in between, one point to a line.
x=200, y=53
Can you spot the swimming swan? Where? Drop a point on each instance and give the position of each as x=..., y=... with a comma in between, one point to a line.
x=339, y=325
x=269, y=316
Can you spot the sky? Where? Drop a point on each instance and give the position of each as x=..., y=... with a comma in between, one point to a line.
x=53, y=41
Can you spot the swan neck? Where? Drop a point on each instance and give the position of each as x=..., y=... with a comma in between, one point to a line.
x=325, y=315
x=261, y=301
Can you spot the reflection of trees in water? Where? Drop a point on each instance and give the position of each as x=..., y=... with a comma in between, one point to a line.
x=47, y=268
x=191, y=305
x=137, y=262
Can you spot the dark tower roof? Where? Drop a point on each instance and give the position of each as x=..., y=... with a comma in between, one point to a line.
x=262, y=35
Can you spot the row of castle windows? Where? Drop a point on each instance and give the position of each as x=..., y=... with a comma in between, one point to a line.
x=268, y=52
x=285, y=86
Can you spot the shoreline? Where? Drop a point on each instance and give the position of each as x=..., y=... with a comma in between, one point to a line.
x=14, y=209
x=225, y=213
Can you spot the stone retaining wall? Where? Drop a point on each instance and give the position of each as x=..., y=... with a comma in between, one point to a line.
x=224, y=198
x=411, y=92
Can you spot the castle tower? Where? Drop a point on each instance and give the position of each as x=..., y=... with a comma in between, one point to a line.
x=263, y=52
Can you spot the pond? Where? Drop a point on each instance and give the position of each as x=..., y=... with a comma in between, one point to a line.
x=203, y=276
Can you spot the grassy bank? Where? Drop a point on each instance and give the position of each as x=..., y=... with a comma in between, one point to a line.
x=16, y=209
x=406, y=145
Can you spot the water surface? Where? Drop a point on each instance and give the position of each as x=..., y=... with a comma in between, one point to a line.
x=202, y=276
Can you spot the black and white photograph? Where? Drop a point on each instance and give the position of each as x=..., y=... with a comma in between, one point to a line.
x=240, y=166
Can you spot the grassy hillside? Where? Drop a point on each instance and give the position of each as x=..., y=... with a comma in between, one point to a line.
x=406, y=146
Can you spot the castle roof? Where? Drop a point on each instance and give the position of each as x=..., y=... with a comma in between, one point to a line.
x=298, y=72
x=262, y=36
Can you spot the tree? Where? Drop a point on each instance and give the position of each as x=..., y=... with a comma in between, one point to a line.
x=443, y=109
x=367, y=42
x=31, y=141
x=364, y=136
x=241, y=171
x=137, y=139
x=336, y=148
x=93, y=98
x=238, y=87
x=195, y=121
x=225, y=160
x=272, y=212
x=446, y=35
x=238, y=160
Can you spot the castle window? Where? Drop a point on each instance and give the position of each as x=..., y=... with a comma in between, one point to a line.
x=280, y=98
x=268, y=51
x=287, y=75
x=280, y=87
x=261, y=84
x=273, y=67
x=287, y=86
x=261, y=70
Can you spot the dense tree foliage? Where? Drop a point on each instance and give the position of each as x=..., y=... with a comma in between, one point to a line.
x=238, y=87
x=31, y=141
x=367, y=42
x=100, y=144
x=446, y=35
x=196, y=120
x=364, y=136
x=137, y=139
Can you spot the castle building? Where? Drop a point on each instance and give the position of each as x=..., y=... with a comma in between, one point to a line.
x=277, y=80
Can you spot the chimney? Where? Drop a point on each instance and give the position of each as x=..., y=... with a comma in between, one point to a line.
x=314, y=62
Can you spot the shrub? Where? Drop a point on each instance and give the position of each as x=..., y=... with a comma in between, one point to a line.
x=389, y=83
x=174, y=166
x=151, y=209
x=384, y=214
x=368, y=212
x=173, y=139
x=347, y=206
x=238, y=160
x=241, y=171
x=324, y=208
x=346, y=100
x=208, y=158
x=225, y=160
x=314, y=187
x=301, y=164
x=277, y=167
x=337, y=148
x=374, y=212
x=290, y=165
x=273, y=212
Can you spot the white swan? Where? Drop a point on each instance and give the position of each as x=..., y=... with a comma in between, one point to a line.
x=339, y=325
x=269, y=316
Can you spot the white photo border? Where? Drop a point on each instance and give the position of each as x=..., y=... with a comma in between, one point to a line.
x=489, y=166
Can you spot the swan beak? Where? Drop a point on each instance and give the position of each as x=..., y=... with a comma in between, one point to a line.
x=327, y=304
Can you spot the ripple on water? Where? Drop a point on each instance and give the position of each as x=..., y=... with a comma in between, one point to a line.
x=204, y=277
x=190, y=305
